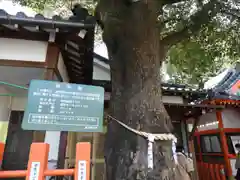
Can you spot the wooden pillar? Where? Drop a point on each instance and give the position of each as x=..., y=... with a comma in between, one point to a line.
x=184, y=136
x=192, y=148
x=71, y=151
x=51, y=61
x=224, y=144
x=94, y=154
x=196, y=177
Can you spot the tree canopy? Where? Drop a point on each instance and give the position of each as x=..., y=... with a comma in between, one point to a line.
x=201, y=56
x=202, y=35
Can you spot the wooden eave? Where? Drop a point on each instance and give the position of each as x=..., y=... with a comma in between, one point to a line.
x=188, y=94
x=70, y=44
x=225, y=102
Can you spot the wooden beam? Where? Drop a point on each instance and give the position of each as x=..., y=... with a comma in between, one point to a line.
x=59, y=77
x=71, y=63
x=19, y=63
x=195, y=173
x=88, y=56
x=224, y=144
x=52, y=56
x=49, y=73
x=94, y=154
x=6, y=32
x=51, y=61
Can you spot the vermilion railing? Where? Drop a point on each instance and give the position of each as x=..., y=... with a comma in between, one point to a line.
x=38, y=161
x=208, y=171
x=1, y=152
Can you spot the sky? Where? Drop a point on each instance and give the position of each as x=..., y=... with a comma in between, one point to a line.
x=13, y=8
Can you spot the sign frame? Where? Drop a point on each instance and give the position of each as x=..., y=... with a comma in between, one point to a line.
x=59, y=106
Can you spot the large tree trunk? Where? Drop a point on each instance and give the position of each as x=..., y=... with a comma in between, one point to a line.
x=132, y=37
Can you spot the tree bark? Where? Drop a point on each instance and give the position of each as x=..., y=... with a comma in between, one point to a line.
x=135, y=53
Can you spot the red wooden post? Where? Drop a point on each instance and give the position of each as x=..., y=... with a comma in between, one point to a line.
x=198, y=169
x=201, y=170
x=212, y=174
x=224, y=144
x=2, y=145
x=38, y=161
x=199, y=148
x=83, y=157
x=206, y=171
x=217, y=172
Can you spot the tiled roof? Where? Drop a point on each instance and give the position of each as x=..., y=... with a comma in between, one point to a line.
x=222, y=90
x=39, y=20
x=182, y=88
x=74, y=36
x=167, y=89
x=225, y=88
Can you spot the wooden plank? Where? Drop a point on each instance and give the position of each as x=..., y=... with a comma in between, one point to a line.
x=52, y=56
x=20, y=63
x=51, y=61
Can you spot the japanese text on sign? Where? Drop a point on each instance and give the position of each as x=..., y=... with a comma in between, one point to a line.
x=34, y=173
x=64, y=107
x=82, y=170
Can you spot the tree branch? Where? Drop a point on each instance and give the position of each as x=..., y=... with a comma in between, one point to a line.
x=198, y=19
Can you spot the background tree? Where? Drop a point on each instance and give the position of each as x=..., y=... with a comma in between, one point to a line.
x=207, y=51
x=195, y=60
x=138, y=35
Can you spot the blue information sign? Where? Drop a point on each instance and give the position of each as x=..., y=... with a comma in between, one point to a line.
x=56, y=106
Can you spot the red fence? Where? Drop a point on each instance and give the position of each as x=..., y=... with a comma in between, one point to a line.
x=38, y=161
x=208, y=171
x=1, y=152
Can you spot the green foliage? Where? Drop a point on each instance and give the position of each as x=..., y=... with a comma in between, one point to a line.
x=61, y=6
x=196, y=59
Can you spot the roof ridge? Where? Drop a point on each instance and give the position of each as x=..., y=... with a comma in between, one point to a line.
x=22, y=16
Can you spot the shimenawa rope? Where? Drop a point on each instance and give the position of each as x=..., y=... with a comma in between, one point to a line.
x=149, y=136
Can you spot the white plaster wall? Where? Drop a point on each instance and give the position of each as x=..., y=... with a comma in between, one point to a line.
x=172, y=99
x=231, y=118
x=62, y=69
x=4, y=105
x=208, y=121
x=232, y=163
x=19, y=103
x=24, y=50
x=4, y=114
x=99, y=73
x=53, y=139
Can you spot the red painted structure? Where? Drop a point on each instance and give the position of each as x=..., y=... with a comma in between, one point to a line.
x=216, y=165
